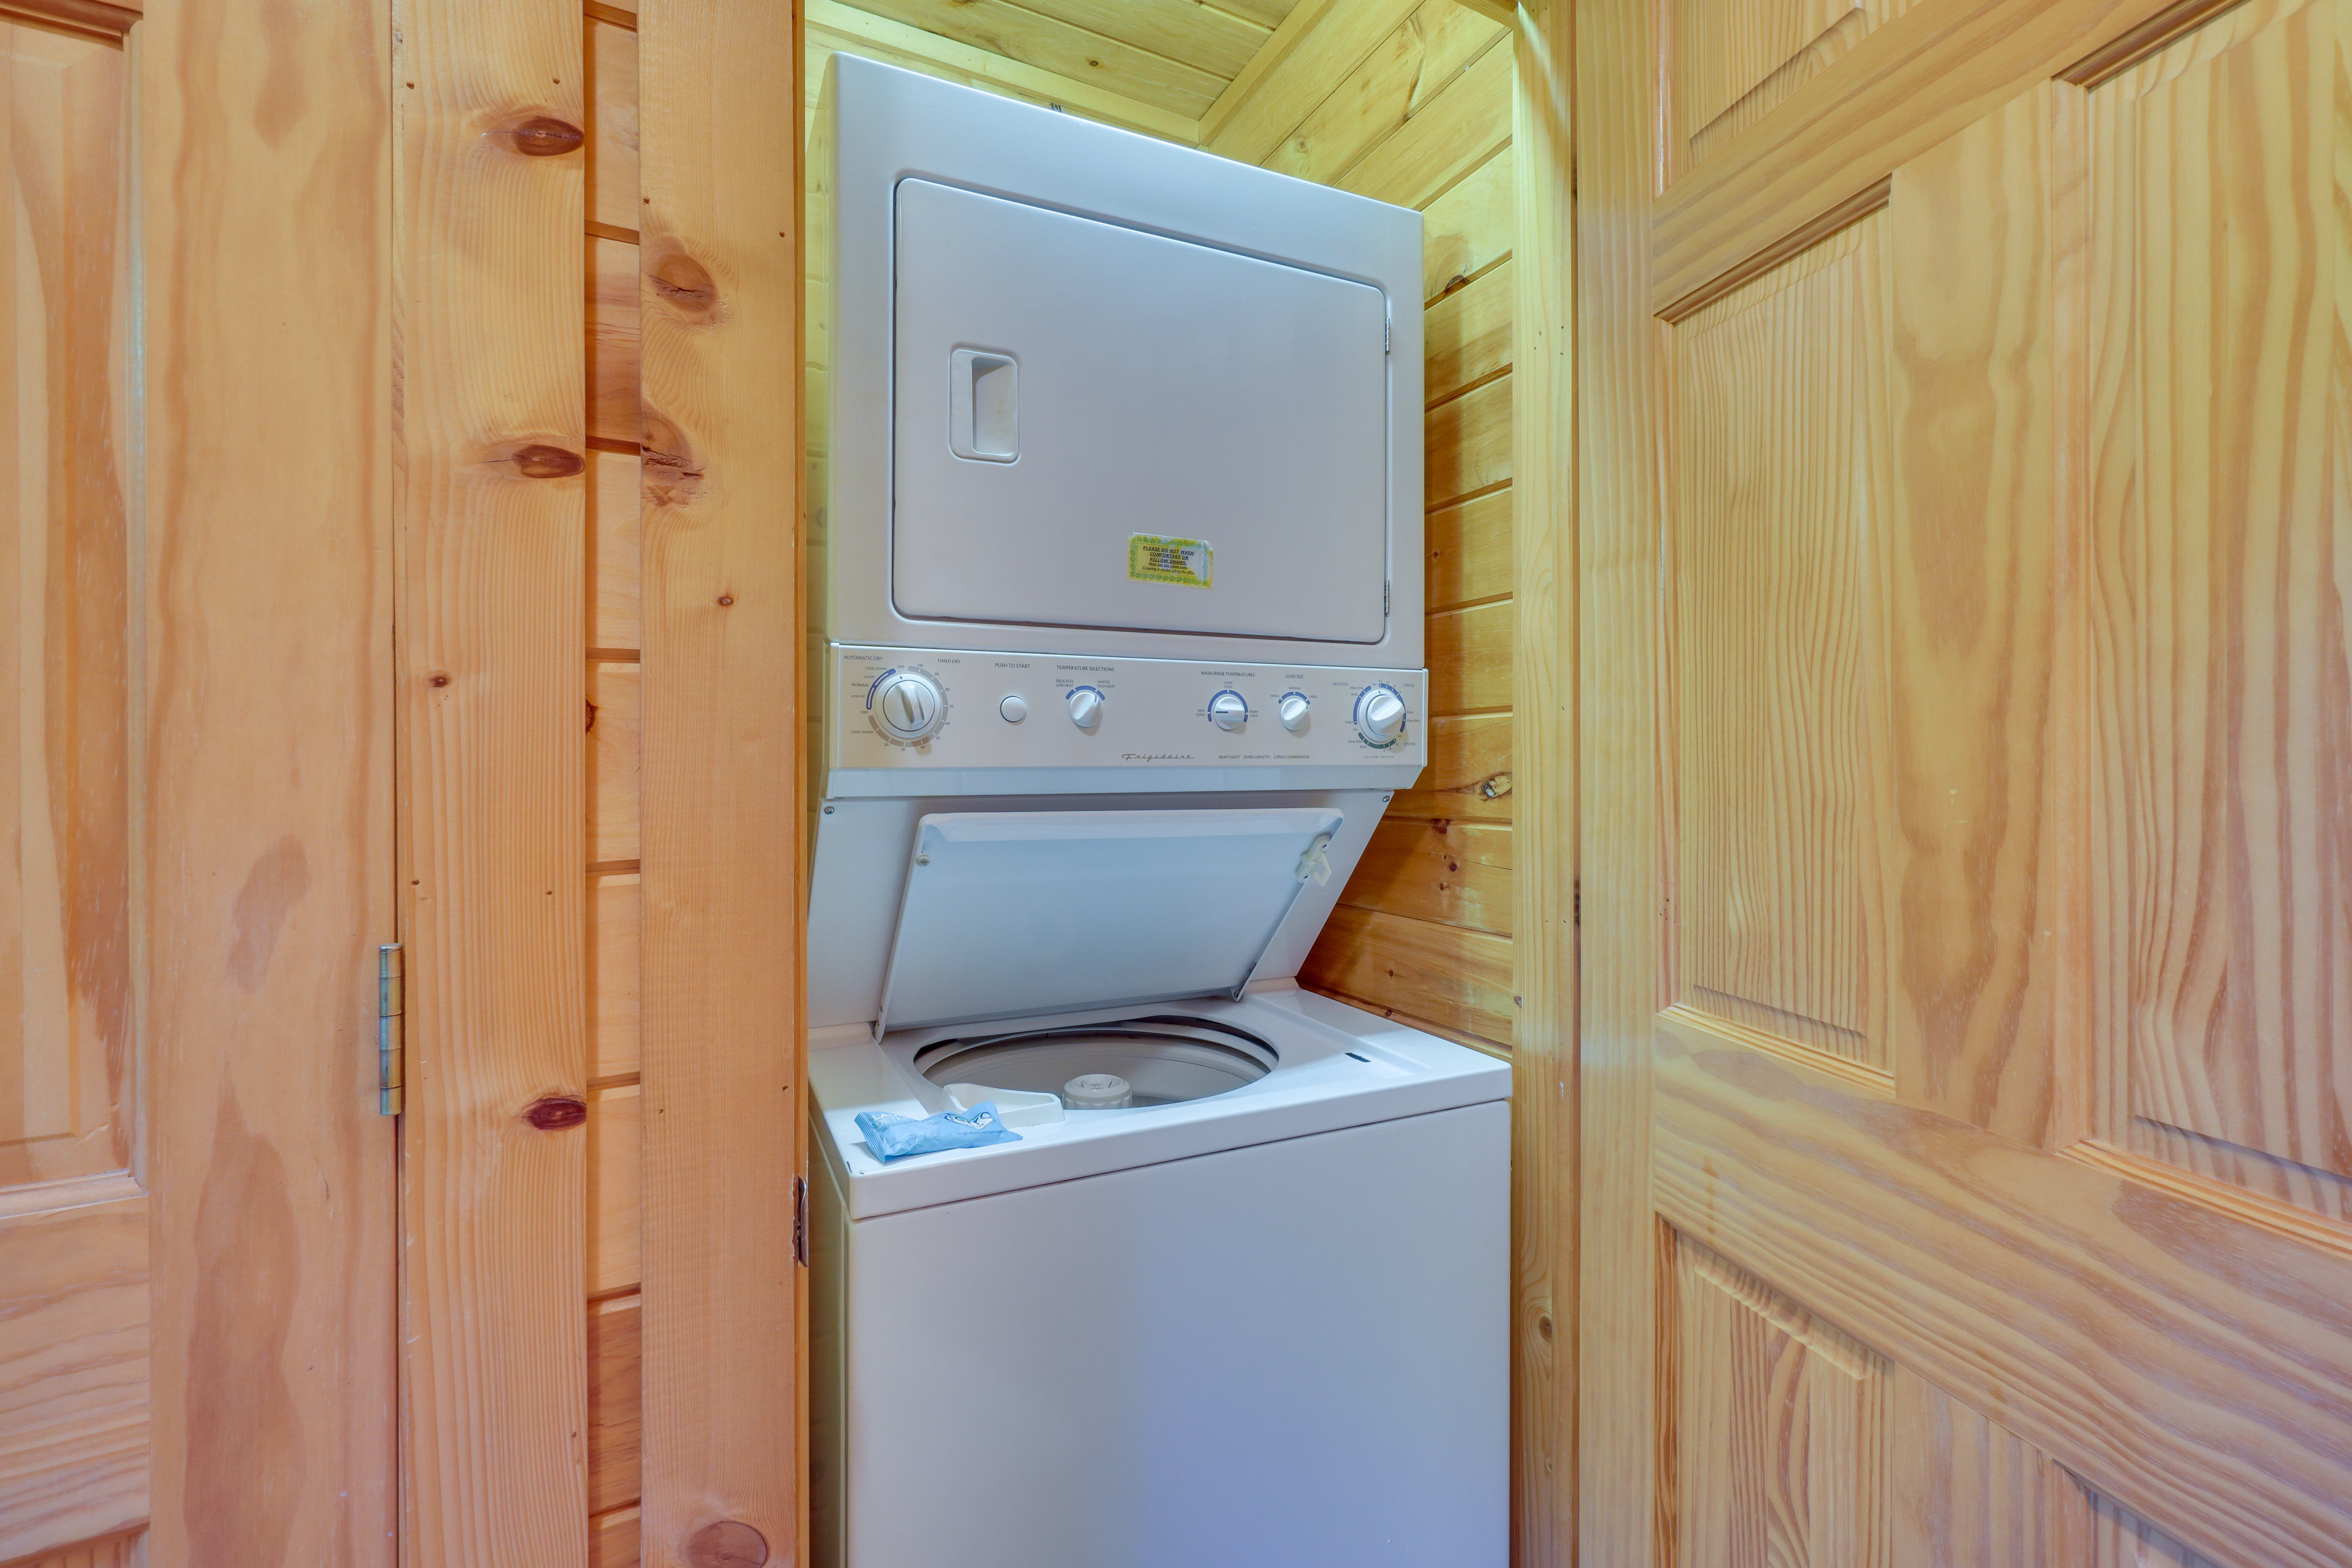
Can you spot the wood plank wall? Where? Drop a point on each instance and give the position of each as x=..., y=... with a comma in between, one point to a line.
x=612, y=628
x=1411, y=102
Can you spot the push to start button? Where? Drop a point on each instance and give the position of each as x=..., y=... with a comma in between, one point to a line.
x=1013, y=708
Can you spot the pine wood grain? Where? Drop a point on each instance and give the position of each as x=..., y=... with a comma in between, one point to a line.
x=1460, y=129
x=1467, y=550
x=1544, y=838
x=614, y=745
x=495, y=527
x=722, y=1013
x=1035, y=38
x=1466, y=444
x=1967, y=1493
x=1470, y=228
x=613, y=980
x=1702, y=140
x=1959, y=1255
x=1469, y=777
x=1973, y=548
x=1456, y=873
x=1617, y=1419
x=125, y=1551
x=1456, y=978
x=1777, y=1420
x=1910, y=85
x=1775, y=809
x=1466, y=335
x=269, y=689
x=1404, y=72
x=613, y=539
x=2221, y=533
x=615, y=1539
x=612, y=341
x=612, y=151
x=616, y=1231
x=1470, y=659
x=615, y=1403
x=1337, y=40
x=1220, y=40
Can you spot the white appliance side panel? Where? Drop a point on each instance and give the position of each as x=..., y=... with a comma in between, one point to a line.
x=1135, y=385
x=1291, y=1353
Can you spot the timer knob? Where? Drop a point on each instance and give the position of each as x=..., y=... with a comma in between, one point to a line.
x=1379, y=715
x=1085, y=707
x=908, y=706
x=1292, y=712
x=1229, y=710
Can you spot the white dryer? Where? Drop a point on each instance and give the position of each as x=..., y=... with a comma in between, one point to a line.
x=1120, y=543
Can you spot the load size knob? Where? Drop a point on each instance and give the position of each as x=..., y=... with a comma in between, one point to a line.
x=1292, y=710
x=1379, y=715
x=1230, y=710
x=908, y=706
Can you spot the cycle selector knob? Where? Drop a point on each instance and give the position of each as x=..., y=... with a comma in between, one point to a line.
x=1085, y=707
x=908, y=706
x=1292, y=710
x=1229, y=710
x=1379, y=715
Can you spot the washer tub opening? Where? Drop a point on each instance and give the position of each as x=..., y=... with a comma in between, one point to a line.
x=1165, y=1059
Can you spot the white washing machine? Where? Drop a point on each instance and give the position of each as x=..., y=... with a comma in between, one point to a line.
x=1120, y=546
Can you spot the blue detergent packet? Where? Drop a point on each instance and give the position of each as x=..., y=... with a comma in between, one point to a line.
x=896, y=1136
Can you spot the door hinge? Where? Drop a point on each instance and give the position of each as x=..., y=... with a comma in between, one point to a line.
x=800, y=1221
x=1387, y=333
x=390, y=1037
x=1384, y=599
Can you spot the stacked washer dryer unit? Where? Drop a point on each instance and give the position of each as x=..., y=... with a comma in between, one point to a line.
x=1123, y=609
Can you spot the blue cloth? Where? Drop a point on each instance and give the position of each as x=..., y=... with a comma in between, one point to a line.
x=896, y=1137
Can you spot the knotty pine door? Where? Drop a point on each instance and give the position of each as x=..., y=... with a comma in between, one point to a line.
x=1965, y=525
x=197, y=1279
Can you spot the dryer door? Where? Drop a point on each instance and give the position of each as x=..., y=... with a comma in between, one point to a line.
x=1096, y=426
x=1018, y=912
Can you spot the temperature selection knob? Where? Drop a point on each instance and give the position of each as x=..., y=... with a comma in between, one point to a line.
x=1229, y=710
x=1379, y=715
x=1291, y=709
x=908, y=706
x=1085, y=707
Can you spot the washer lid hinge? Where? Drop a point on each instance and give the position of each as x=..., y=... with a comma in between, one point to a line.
x=391, y=1033
x=800, y=1221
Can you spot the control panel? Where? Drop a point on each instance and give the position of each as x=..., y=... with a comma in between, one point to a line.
x=918, y=708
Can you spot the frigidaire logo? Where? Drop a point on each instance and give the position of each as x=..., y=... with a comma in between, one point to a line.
x=1157, y=756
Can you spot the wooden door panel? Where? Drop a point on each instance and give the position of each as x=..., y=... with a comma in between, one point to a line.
x=1735, y=59
x=2222, y=544
x=1774, y=852
x=74, y=1327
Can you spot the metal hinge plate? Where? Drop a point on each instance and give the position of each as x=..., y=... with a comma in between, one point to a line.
x=390, y=1037
x=800, y=1221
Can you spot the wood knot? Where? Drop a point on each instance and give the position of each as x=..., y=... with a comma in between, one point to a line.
x=541, y=136
x=726, y=1543
x=555, y=1113
x=671, y=474
x=438, y=677
x=542, y=461
x=684, y=285
x=1543, y=1325
x=1496, y=786
x=726, y=599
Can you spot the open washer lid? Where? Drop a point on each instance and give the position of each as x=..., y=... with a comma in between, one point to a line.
x=1007, y=914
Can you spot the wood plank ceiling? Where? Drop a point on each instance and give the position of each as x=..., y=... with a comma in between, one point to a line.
x=1163, y=66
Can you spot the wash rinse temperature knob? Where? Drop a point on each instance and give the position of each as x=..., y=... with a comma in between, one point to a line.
x=1379, y=715
x=908, y=705
x=1230, y=710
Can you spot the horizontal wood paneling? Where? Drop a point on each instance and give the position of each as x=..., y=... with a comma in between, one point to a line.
x=1017, y=33
x=1469, y=774
x=615, y=1402
x=1287, y=95
x=1460, y=129
x=612, y=343
x=1470, y=659
x=613, y=532
x=613, y=1538
x=1466, y=335
x=613, y=133
x=613, y=978
x=1216, y=40
x=1456, y=978
x=1468, y=551
x=1404, y=72
x=1468, y=444
x=614, y=1244
x=1470, y=228
x=615, y=726
x=1436, y=869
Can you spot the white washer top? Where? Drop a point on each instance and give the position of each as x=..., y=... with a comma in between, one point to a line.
x=1318, y=1086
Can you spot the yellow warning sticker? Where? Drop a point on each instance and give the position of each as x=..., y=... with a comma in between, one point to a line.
x=1182, y=563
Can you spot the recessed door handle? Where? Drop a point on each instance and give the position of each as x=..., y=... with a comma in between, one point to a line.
x=983, y=405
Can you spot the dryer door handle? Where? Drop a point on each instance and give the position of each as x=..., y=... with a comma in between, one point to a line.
x=983, y=405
